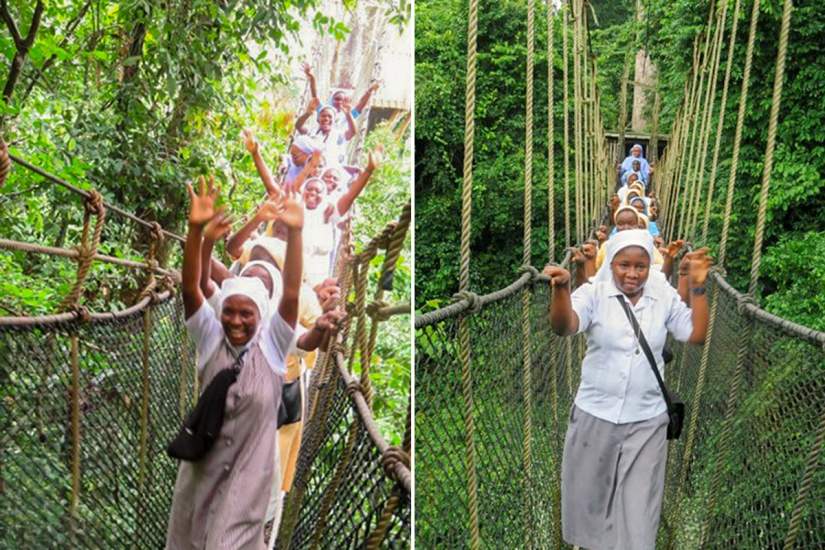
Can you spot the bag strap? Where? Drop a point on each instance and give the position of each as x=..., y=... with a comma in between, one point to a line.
x=645, y=347
x=238, y=362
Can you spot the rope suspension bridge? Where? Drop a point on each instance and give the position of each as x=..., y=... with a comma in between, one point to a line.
x=89, y=401
x=494, y=385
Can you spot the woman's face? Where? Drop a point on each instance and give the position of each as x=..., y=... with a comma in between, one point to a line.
x=639, y=206
x=260, y=273
x=636, y=152
x=240, y=318
x=312, y=194
x=631, y=178
x=325, y=120
x=298, y=157
x=630, y=267
x=338, y=100
x=626, y=220
x=331, y=179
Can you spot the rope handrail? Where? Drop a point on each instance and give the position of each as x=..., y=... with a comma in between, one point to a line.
x=9, y=244
x=87, y=195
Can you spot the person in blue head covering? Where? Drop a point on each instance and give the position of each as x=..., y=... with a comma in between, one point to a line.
x=636, y=153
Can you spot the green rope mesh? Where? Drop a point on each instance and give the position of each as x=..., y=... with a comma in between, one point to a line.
x=767, y=458
x=114, y=510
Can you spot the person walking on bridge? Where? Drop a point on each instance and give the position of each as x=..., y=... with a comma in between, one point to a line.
x=615, y=450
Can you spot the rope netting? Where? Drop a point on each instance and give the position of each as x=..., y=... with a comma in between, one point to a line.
x=491, y=411
x=89, y=401
x=87, y=414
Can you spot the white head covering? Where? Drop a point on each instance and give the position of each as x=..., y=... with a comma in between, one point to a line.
x=620, y=241
x=327, y=108
x=639, y=147
x=623, y=208
x=307, y=144
x=275, y=275
x=337, y=91
x=251, y=287
x=311, y=180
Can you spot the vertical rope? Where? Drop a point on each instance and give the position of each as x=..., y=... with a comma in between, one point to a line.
x=779, y=78
x=720, y=122
x=566, y=146
x=464, y=275
x=709, y=108
x=740, y=121
x=75, y=427
x=551, y=220
x=577, y=144
x=742, y=352
x=805, y=485
x=527, y=386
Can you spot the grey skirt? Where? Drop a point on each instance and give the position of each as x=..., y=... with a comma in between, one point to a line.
x=612, y=482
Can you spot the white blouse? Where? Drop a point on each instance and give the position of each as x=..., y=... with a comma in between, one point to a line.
x=617, y=383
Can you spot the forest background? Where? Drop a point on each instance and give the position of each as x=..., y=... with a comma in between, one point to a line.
x=792, y=280
x=135, y=99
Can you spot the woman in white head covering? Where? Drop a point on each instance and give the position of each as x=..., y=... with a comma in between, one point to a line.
x=636, y=153
x=615, y=449
x=220, y=501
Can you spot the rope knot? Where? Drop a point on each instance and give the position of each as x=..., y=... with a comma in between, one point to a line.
x=392, y=456
x=374, y=310
x=156, y=232
x=94, y=203
x=742, y=301
x=338, y=347
x=526, y=268
x=83, y=314
x=472, y=297
x=354, y=386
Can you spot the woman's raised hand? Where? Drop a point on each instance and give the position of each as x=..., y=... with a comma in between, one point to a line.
x=218, y=227
x=271, y=209
x=700, y=264
x=331, y=319
x=293, y=213
x=674, y=247
x=589, y=250
x=202, y=204
x=559, y=277
x=576, y=256
x=249, y=140
x=374, y=158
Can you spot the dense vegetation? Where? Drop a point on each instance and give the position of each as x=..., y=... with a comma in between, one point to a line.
x=793, y=252
x=135, y=99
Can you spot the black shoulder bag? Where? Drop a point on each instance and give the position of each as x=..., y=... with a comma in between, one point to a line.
x=203, y=425
x=289, y=410
x=675, y=406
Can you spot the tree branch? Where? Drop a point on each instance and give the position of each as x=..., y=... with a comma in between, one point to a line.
x=6, y=16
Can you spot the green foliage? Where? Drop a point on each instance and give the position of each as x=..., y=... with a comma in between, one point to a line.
x=796, y=202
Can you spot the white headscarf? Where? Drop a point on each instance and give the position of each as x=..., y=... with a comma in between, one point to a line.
x=620, y=241
x=251, y=287
x=277, y=281
x=307, y=144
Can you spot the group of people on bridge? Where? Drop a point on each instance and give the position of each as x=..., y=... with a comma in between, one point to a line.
x=264, y=318
x=615, y=449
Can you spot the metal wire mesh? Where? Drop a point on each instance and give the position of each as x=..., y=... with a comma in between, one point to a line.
x=124, y=492
x=766, y=458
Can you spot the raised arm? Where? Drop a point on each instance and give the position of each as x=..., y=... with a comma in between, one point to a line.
x=670, y=255
x=312, y=164
x=293, y=218
x=310, y=110
x=351, y=129
x=358, y=184
x=260, y=165
x=362, y=103
x=578, y=260
x=212, y=271
x=201, y=210
x=311, y=79
x=699, y=265
x=563, y=319
x=269, y=210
